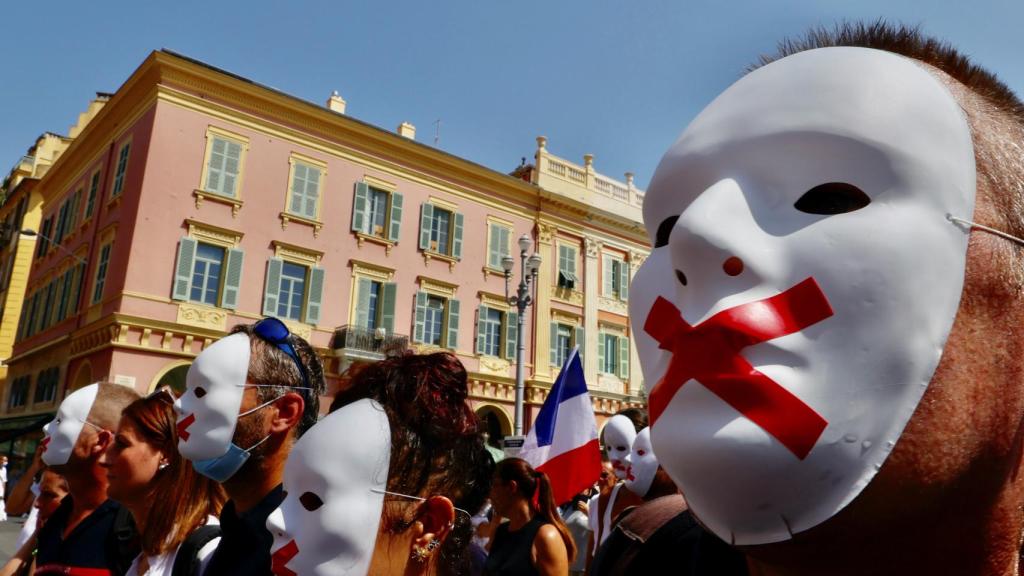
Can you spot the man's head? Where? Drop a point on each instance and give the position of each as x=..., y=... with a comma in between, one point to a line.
x=248, y=395
x=83, y=427
x=809, y=227
x=52, y=489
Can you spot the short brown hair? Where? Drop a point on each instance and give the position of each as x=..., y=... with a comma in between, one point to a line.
x=111, y=400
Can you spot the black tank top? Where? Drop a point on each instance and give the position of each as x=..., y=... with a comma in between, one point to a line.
x=511, y=552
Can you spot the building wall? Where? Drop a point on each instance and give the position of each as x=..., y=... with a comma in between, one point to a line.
x=170, y=111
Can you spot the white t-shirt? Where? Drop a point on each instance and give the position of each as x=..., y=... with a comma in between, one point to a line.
x=163, y=564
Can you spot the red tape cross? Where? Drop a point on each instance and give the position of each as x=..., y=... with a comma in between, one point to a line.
x=710, y=354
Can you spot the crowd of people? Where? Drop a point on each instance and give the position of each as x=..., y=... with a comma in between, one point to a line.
x=894, y=448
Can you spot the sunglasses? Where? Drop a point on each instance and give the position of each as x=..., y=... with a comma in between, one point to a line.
x=164, y=393
x=273, y=331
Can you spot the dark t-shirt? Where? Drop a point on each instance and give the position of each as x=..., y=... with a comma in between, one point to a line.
x=245, y=542
x=512, y=552
x=104, y=540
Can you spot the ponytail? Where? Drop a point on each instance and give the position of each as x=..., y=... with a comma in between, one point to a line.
x=535, y=487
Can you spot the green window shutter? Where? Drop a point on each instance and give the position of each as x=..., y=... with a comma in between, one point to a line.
x=272, y=287
x=607, y=273
x=298, y=180
x=420, y=316
x=481, y=312
x=233, y=278
x=395, y=225
x=623, y=357
x=77, y=283
x=623, y=281
x=511, y=334
x=494, y=247
x=312, y=192
x=215, y=167
x=426, y=218
x=389, y=295
x=316, y=295
x=600, y=352
x=457, y=237
x=62, y=299
x=183, y=272
x=363, y=286
x=553, y=345
x=580, y=340
x=360, y=223
x=232, y=164
x=453, y=324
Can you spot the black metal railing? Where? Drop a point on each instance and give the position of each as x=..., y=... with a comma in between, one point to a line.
x=358, y=338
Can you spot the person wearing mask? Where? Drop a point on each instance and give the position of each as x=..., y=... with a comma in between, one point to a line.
x=168, y=500
x=534, y=540
x=88, y=532
x=248, y=397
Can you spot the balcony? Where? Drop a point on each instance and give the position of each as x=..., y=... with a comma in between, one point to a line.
x=355, y=343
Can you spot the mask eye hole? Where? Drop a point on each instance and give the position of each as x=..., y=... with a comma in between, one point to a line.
x=641, y=452
x=664, y=231
x=199, y=391
x=310, y=501
x=832, y=198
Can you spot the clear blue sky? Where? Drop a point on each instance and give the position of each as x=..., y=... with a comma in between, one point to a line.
x=618, y=79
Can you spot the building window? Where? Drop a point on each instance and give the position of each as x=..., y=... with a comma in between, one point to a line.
x=46, y=385
x=567, y=267
x=206, y=274
x=615, y=273
x=94, y=187
x=377, y=212
x=436, y=320
x=496, y=332
x=122, y=167
x=66, y=304
x=564, y=337
x=375, y=304
x=101, y=274
x=613, y=354
x=441, y=231
x=43, y=244
x=223, y=166
x=19, y=392
x=293, y=291
x=498, y=244
x=304, y=196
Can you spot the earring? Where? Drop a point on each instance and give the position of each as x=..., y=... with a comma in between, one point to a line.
x=422, y=553
x=162, y=465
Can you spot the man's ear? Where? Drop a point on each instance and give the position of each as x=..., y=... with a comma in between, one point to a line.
x=290, y=408
x=103, y=440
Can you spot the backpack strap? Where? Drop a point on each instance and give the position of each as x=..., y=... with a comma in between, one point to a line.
x=124, y=543
x=186, y=562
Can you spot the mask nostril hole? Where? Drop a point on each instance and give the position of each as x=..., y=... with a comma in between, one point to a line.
x=733, y=266
x=681, y=277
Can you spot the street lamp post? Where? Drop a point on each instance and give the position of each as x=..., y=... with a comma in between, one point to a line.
x=521, y=299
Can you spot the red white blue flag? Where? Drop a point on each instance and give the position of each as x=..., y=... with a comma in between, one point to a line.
x=563, y=442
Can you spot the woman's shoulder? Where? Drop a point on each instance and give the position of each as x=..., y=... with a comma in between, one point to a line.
x=547, y=534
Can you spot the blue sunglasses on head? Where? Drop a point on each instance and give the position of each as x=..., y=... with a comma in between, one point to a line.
x=275, y=332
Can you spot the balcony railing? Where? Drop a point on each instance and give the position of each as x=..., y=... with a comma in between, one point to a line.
x=360, y=342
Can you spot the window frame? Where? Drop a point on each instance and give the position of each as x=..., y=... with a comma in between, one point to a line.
x=293, y=161
x=99, y=277
x=214, y=133
x=567, y=279
x=121, y=168
x=492, y=225
x=454, y=231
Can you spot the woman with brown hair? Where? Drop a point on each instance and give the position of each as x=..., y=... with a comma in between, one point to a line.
x=387, y=482
x=168, y=500
x=534, y=540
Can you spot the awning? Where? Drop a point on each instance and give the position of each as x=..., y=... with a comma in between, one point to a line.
x=11, y=428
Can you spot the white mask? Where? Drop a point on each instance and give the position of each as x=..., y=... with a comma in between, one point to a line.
x=208, y=410
x=770, y=425
x=619, y=434
x=335, y=478
x=61, y=434
x=642, y=463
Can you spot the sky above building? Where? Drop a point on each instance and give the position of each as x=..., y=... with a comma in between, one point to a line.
x=480, y=79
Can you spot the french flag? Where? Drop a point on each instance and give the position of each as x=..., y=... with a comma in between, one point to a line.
x=563, y=442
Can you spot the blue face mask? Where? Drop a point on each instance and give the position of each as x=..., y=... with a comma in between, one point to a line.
x=223, y=467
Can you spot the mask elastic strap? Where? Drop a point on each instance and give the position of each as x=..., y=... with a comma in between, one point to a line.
x=265, y=404
x=975, y=225
x=253, y=447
